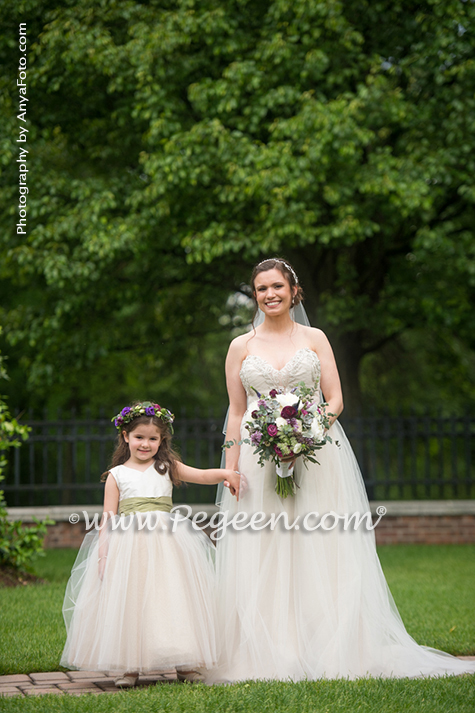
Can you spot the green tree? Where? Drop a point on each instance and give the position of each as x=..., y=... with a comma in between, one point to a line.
x=177, y=142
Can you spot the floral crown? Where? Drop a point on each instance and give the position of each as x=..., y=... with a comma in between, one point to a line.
x=143, y=408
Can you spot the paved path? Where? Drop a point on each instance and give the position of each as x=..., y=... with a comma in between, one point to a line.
x=78, y=682
x=73, y=682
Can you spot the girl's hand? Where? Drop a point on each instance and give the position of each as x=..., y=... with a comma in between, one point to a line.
x=236, y=482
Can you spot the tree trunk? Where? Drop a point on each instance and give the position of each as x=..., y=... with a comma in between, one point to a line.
x=348, y=355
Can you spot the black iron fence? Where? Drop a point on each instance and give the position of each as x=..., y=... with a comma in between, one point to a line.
x=403, y=457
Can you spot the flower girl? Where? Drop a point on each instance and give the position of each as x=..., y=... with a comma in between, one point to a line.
x=141, y=593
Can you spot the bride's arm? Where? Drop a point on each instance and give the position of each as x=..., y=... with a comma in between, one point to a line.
x=330, y=379
x=237, y=399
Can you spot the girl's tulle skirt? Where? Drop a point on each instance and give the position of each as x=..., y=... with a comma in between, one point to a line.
x=154, y=608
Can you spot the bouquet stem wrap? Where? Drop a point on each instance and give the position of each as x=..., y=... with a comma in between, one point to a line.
x=285, y=484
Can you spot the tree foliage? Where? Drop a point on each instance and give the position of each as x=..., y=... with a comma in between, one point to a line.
x=175, y=142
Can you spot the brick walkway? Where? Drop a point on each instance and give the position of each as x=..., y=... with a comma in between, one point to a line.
x=73, y=682
x=78, y=682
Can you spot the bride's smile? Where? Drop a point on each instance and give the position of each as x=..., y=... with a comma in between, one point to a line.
x=273, y=292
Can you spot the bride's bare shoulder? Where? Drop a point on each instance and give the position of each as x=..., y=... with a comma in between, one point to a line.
x=238, y=347
x=316, y=337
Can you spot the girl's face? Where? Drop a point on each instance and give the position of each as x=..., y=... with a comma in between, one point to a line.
x=273, y=292
x=144, y=442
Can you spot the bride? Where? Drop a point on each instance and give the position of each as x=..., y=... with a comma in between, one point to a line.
x=295, y=603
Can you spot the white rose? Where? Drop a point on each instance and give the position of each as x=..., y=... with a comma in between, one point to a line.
x=317, y=429
x=280, y=422
x=297, y=448
x=287, y=399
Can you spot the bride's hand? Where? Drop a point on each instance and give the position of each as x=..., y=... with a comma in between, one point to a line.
x=289, y=459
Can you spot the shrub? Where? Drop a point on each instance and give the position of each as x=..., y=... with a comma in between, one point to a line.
x=19, y=545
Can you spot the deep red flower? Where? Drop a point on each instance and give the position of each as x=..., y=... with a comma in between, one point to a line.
x=288, y=412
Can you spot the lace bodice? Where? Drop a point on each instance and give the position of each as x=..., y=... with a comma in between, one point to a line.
x=258, y=373
x=137, y=484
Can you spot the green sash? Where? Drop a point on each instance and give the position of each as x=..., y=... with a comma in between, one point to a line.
x=131, y=505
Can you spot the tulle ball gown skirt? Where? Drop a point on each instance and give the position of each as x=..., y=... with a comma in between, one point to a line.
x=299, y=604
x=153, y=610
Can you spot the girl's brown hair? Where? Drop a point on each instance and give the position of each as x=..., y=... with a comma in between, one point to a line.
x=287, y=271
x=166, y=457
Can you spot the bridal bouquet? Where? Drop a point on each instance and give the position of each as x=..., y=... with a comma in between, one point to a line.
x=287, y=425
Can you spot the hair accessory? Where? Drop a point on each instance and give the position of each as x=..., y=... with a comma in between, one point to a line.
x=143, y=408
x=289, y=268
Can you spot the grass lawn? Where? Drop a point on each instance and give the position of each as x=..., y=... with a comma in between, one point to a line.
x=433, y=587
x=443, y=695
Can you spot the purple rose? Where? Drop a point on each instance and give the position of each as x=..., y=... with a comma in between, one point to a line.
x=256, y=438
x=272, y=429
x=150, y=411
x=288, y=412
x=278, y=451
x=254, y=414
x=272, y=393
x=125, y=410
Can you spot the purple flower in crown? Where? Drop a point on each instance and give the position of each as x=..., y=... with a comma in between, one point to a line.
x=272, y=429
x=150, y=411
x=117, y=423
x=125, y=410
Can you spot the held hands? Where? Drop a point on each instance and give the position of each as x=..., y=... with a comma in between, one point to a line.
x=235, y=481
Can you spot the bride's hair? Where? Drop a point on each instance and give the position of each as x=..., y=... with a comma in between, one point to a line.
x=284, y=266
x=166, y=457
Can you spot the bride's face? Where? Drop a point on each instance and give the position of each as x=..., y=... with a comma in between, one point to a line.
x=273, y=292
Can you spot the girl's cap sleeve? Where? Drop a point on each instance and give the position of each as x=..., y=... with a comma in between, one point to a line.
x=115, y=473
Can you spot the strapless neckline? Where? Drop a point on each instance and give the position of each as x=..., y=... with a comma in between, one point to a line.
x=290, y=361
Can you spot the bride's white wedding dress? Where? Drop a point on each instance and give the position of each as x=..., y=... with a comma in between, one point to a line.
x=297, y=604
